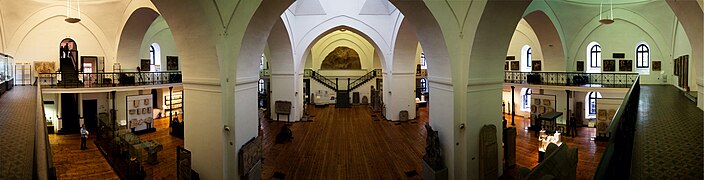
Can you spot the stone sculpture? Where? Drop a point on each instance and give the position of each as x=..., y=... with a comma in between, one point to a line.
x=433, y=151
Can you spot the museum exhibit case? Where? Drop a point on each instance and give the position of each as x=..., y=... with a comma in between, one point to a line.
x=6, y=73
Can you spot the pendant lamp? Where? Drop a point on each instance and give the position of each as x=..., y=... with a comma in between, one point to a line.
x=608, y=19
x=70, y=19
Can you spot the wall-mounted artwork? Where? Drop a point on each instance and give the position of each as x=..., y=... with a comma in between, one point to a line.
x=580, y=65
x=515, y=65
x=510, y=57
x=618, y=55
x=625, y=65
x=342, y=58
x=536, y=66
x=609, y=65
x=657, y=66
x=171, y=63
x=506, y=66
x=144, y=65
x=44, y=66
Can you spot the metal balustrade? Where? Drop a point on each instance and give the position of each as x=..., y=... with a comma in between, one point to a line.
x=108, y=79
x=616, y=80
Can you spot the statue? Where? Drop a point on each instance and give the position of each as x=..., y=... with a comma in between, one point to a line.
x=433, y=151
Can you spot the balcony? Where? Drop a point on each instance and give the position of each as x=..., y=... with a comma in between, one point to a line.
x=580, y=79
x=109, y=79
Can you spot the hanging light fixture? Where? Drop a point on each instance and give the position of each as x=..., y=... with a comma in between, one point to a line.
x=609, y=19
x=70, y=19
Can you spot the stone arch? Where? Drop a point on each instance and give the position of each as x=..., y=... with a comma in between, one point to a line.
x=550, y=40
x=45, y=14
x=132, y=35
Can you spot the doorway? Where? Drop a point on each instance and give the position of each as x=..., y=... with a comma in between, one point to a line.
x=90, y=113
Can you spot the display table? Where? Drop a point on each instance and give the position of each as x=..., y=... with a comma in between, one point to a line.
x=551, y=119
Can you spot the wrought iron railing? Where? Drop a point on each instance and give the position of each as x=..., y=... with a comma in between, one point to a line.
x=624, y=80
x=109, y=79
x=264, y=73
x=616, y=161
x=361, y=80
x=324, y=80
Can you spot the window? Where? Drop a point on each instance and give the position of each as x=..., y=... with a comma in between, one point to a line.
x=525, y=96
x=88, y=67
x=642, y=56
x=423, y=85
x=154, y=56
x=261, y=63
x=423, y=63
x=595, y=56
x=528, y=57
x=261, y=86
x=591, y=104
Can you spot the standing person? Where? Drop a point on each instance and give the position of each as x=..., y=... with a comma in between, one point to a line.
x=84, y=136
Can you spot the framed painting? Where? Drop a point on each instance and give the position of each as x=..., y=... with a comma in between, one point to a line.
x=609, y=65
x=657, y=66
x=580, y=65
x=515, y=65
x=625, y=65
x=144, y=65
x=536, y=65
x=172, y=63
x=506, y=66
x=44, y=67
x=676, y=71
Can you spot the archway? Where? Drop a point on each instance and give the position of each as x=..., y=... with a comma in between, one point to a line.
x=132, y=35
x=549, y=38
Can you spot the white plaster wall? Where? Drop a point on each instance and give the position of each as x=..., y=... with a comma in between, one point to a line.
x=121, y=104
x=363, y=90
x=343, y=38
x=159, y=33
x=524, y=35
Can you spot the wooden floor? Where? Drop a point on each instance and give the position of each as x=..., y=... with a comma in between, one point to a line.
x=589, y=151
x=345, y=143
x=340, y=143
x=73, y=163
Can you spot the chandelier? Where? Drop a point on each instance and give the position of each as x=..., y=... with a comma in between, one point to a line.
x=69, y=18
x=608, y=19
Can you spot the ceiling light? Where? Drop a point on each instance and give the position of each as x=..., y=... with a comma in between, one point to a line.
x=608, y=19
x=70, y=19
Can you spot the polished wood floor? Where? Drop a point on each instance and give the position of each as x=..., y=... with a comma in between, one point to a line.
x=345, y=143
x=589, y=151
x=340, y=143
x=73, y=163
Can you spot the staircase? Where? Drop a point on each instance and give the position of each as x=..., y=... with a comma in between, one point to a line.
x=69, y=74
x=343, y=96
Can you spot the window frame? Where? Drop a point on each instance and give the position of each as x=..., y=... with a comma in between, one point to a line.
x=260, y=86
x=642, y=56
x=525, y=99
x=595, y=56
x=529, y=56
x=423, y=61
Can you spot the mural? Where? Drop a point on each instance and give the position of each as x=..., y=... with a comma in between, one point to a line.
x=44, y=67
x=342, y=58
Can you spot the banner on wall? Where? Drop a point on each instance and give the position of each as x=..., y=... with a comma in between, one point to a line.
x=139, y=112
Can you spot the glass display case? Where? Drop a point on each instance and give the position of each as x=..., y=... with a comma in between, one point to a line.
x=4, y=68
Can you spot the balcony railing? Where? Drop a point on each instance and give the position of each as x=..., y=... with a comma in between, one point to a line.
x=43, y=166
x=616, y=161
x=109, y=79
x=615, y=80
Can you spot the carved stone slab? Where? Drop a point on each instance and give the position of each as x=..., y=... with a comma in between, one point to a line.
x=249, y=155
x=488, y=153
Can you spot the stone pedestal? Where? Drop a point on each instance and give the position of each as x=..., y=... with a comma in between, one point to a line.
x=430, y=174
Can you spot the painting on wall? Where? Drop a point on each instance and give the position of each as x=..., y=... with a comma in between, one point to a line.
x=609, y=65
x=515, y=65
x=342, y=58
x=144, y=65
x=580, y=65
x=171, y=63
x=44, y=66
x=506, y=66
x=510, y=57
x=536, y=66
x=625, y=65
x=676, y=71
x=657, y=66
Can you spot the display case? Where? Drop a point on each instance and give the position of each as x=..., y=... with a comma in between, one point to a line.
x=173, y=103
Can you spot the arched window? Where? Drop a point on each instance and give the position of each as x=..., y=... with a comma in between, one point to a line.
x=526, y=56
x=591, y=104
x=261, y=63
x=154, y=55
x=423, y=85
x=423, y=63
x=525, y=99
x=261, y=86
x=642, y=56
x=529, y=55
x=593, y=58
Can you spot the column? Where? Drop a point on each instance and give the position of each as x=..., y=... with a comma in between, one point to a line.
x=513, y=106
